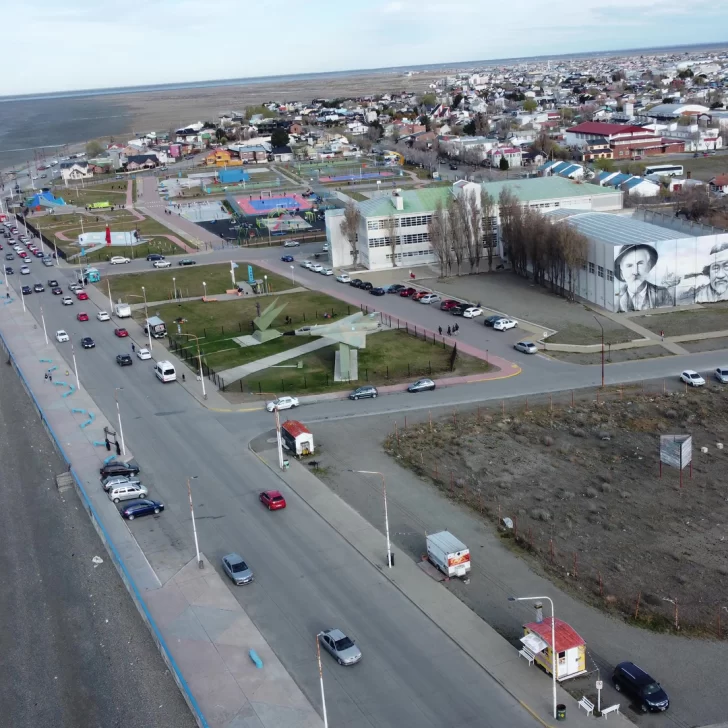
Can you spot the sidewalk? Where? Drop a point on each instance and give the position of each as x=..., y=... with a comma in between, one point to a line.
x=202, y=632
x=529, y=685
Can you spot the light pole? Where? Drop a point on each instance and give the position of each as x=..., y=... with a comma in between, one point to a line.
x=200, y=562
x=199, y=360
x=174, y=284
x=75, y=367
x=146, y=316
x=22, y=297
x=602, y=328
x=118, y=414
x=293, y=275
x=386, y=514
x=42, y=318
x=553, y=638
x=111, y=303
x=204, y=288
x=321, y=680
x=265, y=283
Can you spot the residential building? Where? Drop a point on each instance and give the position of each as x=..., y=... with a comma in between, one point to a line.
x=637, y=186
x=569, y=170
x=626, y=141
x=596, y=149
x=281, y=154
x=221, y=158
x=141, y=161
x=719, y=184
x=71, y=171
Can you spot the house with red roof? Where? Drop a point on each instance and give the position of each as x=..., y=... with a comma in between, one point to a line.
x=719, y=184
x=626, y=141
x=537, y=643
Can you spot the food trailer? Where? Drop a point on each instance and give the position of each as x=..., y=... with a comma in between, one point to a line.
x=570, y=647
x=297, y=438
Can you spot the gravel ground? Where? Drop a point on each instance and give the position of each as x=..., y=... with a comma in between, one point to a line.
x=643, y=352
x=695, y=321
x=706, y=345
x=75, y=653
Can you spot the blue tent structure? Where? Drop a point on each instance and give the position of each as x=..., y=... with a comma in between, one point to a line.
x=232, y=176
x=44, y=199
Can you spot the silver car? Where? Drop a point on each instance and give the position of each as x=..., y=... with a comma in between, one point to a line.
x=113, y=481
x=527, y=347
x=236, y=568
x=341, y=648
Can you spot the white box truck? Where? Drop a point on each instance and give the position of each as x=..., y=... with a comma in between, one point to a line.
x=122, y=310
x=448, y=554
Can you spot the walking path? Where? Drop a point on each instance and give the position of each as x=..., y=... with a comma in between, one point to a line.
x=627, y=322
x=200, y=628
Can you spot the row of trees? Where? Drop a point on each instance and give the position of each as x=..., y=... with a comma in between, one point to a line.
x=551, y=252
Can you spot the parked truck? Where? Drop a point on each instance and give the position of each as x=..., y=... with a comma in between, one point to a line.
x=122, y=310
x=156, y=327
x=450, y=555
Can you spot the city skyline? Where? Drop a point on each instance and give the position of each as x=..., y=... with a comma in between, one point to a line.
x=76, y=48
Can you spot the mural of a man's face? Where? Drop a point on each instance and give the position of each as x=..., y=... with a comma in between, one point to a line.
x=719, y=273
x=635, y=267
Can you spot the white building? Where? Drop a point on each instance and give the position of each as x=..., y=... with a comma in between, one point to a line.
x=71, y=171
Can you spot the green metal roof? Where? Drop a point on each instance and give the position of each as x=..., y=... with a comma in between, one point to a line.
x=422, y=200
x=544, y=188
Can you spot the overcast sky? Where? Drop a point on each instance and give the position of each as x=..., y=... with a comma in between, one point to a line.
x=52, y=45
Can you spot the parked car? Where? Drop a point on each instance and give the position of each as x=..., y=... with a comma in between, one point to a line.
x=61, y=336
x=460, y=309
x=491, y=320
x=419, y=295
x=287, y=258
x=74, y=287
x=114, y=480
x=48, y=262
x=366, y=286
x=124, y=360
x=272, y=500
x=504, y=324
x=118, y=467
x=143, y=354
x=141, y=507
x=472, y=312
x=282, y=403
x=187, y=261
x=121, y=333
x=155, y=256
x=305, y=264
x=638, y=685
x=421, y=385
x=162, y=264
x=356, y=282
x=363, y=392
x=119, y=260
x=692, y=378
x=339, y=646
x=721, y=374
x=527, y=347
x=395, y=288
x=39, y=288
x=10, y=271
x=316, y=267
x=407, y=292
x=430, y=298
x=448, y=304
x=327, y=271
x=343, y=278
x=103, y=316
x=236, y=568
x=127, y=491
x=88, y=343
x=377, y=291
x=291, y=244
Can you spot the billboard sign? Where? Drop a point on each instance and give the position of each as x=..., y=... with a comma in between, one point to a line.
x=676, y=450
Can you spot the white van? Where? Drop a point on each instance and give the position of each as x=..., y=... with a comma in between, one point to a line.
x=165, y=371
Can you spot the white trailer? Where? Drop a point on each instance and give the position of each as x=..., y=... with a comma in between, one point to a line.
x=450, y=555
x=122, y=310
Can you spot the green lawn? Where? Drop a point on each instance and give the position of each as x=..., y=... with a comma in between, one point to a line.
x=158, y=245
x=188, y=280
x=112, y=192
x=390, y=357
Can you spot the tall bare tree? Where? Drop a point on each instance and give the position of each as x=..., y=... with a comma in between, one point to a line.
x=390, y=226
x=458, y=220
x=350, y=227
x=488, y=225
x=510, y=216
x=471, y=206
x=438, y=230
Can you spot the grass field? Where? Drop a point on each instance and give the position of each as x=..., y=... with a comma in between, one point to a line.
x=390, y=357
x=112, y=192
x=187, y=281
x=159, y=245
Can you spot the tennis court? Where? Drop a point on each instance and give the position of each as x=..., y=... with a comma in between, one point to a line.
x=262, y=205
x=355, y=176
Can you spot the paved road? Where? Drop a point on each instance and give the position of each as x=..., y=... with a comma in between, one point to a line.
x=74, y=651
x=307, y=577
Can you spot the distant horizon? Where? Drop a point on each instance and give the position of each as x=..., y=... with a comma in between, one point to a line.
x=278, y=78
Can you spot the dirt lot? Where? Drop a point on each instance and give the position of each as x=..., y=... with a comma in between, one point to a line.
x=581, y=485
x=642, y=352
x=706, y=345
x=713, y=317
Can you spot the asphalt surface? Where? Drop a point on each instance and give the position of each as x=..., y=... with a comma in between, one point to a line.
x=75, y=653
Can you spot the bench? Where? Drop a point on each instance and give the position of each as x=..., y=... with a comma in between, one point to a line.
x=526, y=655
x=587, y=705
x=610, y=709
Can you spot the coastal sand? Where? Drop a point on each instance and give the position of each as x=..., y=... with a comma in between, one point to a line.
x=165, y=110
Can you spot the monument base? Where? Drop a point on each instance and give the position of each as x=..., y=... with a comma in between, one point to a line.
x=266, y=335
x=353, y=374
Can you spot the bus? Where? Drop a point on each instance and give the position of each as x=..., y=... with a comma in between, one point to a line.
x=665, y=170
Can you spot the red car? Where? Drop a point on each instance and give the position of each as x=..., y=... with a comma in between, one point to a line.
x=419, y=294
x=121, y=333
x=22, y=254
x=408, y=292
x=82, y=316
x=82, y=295
x=448, y=304
x=272, y=500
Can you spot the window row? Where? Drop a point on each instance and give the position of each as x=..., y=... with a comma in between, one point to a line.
x=401, y=240
x=410, y=254
x=400, y=221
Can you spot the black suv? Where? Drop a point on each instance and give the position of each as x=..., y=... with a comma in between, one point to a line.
x=638, y=685
x=124, y=360
x=116, y=467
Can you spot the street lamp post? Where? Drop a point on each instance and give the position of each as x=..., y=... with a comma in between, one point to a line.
x=146, y=316
x=204, y=288
x=174, y=283
x=118, y=415
x=111, y=303
x=321, y=680
x=553, y=638
x=386, y=514
x=22, y=297
x=199, y=360
x=200, y=562
x=42, y=318
x=602, y=328
x=293, y=275
x=75, y=367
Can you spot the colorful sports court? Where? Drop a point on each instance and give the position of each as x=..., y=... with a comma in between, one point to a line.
x=265, y=203
x=355, y=176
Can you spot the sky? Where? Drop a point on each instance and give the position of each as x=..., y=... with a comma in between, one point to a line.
x=62, y=45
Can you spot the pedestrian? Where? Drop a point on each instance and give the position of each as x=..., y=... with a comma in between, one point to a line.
x=439, y=330
x=133, y=348
x=662, y=334
x=46, y=376
x=449, y=331
x=50, y=377
x=183, y=377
